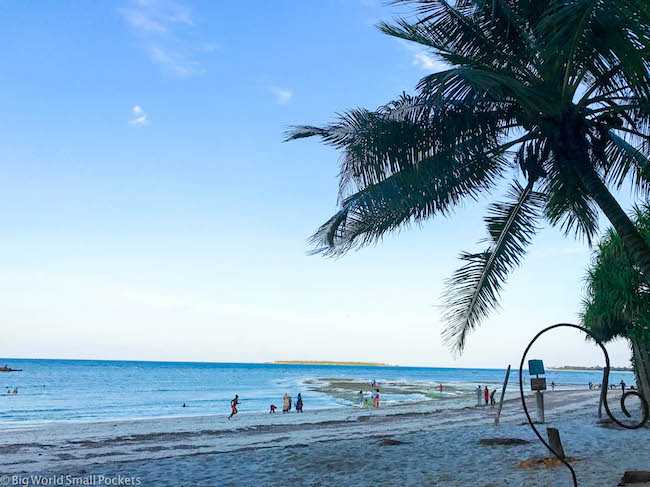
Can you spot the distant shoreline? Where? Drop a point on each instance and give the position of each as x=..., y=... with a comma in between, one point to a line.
x=321, y=362
x=589, y=369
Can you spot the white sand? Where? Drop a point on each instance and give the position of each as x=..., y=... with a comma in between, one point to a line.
x=335, y=447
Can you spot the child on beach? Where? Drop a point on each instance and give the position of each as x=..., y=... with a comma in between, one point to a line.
x=273, y=408
x=233, y=405
x=374, y=397
x=377, y=399
x=492, y=401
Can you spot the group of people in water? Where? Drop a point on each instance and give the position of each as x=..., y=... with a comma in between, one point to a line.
x=15, y=391
x=374, y=395
x=363, y=402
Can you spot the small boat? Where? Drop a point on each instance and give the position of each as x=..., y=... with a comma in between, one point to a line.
x=9, y=369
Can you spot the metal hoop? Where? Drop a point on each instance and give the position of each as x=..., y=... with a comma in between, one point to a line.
x=644, y=403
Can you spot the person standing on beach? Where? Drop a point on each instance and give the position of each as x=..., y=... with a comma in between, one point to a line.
x=361, y=399
x=299, y=404
x=440, y=388
x=478, y=392
x=233, y=405
x=552, y=386
x=286, y=403
x=622, y=386
x=374, y=397
x=492, y=401
x=377, y=399
x=487, y=395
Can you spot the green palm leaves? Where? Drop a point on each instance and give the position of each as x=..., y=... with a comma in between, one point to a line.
x=555, y=93
x=618, y=297
x=474, y=289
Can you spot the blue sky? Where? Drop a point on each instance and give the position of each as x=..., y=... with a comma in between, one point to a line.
x=149, y=209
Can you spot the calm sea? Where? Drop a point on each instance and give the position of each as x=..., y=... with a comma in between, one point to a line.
x=97, y=390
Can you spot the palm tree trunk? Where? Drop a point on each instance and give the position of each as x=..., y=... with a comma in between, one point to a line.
x=632, y=239
x=641, y=367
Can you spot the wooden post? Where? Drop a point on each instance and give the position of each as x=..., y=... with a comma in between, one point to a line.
x=540, y=406
x=554, y=441
x=503, y=393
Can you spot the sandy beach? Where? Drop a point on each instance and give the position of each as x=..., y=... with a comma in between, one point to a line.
x=411, y=444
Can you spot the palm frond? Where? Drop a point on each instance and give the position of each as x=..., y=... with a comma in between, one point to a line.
x=624, y=160
x=432, y=187
x=404, y=133
x=473, y=290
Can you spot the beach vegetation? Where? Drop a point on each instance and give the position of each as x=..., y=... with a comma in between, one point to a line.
x=617, y=303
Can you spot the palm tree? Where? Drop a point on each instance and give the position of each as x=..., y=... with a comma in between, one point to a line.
x=554, y=94
x=618, y=298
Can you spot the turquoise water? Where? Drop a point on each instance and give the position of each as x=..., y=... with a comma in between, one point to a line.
x=96, y=390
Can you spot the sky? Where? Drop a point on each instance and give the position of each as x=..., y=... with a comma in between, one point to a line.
x=149, y=209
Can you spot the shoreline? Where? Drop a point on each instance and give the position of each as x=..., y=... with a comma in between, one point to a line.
x=326, y=363
x=590, y=370
x=436, y=402
x=410, y=444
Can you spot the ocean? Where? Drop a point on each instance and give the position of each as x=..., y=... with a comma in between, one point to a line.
x=102, y=390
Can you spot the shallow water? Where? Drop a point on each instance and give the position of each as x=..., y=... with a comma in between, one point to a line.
x=97, y=390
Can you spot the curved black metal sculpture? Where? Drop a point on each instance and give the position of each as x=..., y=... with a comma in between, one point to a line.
x=644, y=403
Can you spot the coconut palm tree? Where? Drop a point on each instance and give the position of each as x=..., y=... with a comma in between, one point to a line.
x=618, y=298
x=554, y=94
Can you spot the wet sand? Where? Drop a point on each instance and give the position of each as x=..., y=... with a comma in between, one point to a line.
x=413, y=444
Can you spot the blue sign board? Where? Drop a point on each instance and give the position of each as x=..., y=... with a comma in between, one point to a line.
x=536, y=367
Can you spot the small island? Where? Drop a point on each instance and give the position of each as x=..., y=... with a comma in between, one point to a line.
x=320, y=362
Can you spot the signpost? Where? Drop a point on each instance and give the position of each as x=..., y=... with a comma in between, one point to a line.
x=536, y=368
x=538, y=384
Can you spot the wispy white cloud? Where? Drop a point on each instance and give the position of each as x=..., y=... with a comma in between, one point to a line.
x=139, y=117
x=282, y=96
x=423, y=59
x=163, y=27
x=175, y=61
x=209, y=47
